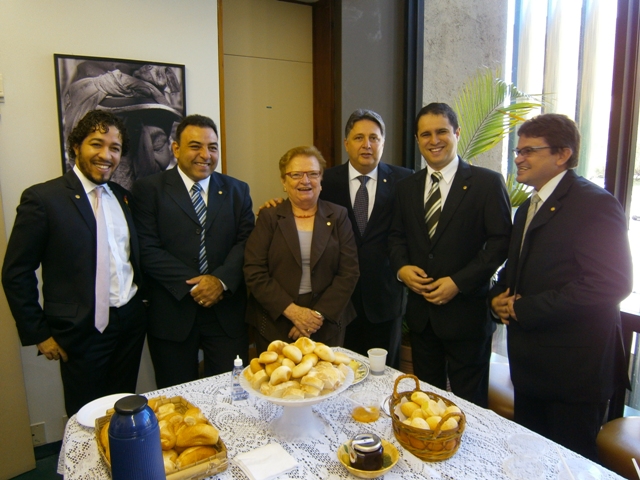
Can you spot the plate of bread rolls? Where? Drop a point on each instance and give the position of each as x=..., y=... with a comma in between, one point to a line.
x=297, y=374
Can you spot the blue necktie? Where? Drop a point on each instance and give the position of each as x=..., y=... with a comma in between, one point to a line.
x=201, y=212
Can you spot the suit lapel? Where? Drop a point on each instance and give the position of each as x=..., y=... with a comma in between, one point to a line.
x=322, y=228
x=218, y=192
x=287, y=225
x=177, y=190
x=459, y=187
x=80, y=199
x=417, y=200
x=384, y=190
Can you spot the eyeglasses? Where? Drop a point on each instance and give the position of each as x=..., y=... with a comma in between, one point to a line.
x=526, y=151
x=311, y=175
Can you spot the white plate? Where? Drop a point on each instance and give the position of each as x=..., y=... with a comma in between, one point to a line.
x=91, y=411
x=523, y=468
x=361, y=372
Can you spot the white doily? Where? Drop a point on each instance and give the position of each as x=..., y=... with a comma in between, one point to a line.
x=246, y=425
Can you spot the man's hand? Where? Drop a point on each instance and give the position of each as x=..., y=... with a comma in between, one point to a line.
x=502, y=306
x=307, y=321
x=270, y=203
x=208, y=290
x=415, y=278
x=441, y=291
x=50, y=349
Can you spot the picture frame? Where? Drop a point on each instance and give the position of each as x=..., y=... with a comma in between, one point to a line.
x=149, y=96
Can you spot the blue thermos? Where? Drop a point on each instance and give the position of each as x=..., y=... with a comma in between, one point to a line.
x=134, y=441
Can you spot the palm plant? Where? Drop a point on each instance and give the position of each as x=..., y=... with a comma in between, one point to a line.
x=490, y=109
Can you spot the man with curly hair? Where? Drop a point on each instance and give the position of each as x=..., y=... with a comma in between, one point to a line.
x=79, y=228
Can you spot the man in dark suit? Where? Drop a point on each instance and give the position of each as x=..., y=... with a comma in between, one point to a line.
x=450, y=234
x=569, y=266
x=193, y=224
x=80, y=229
x=378, y=295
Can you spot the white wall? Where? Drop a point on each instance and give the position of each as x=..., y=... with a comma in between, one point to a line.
x=31, y=31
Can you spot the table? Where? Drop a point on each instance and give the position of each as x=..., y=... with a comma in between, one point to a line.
x=246, y=425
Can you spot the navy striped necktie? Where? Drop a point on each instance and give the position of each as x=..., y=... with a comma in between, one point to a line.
x=201, y=212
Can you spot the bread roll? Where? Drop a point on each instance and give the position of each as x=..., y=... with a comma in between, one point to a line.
x=276, y=346
x=167, y=435
x=305, y=344
x=309, y=391
x=293, y=393
x=153, y=403
x=301, y=369
x=407, y=408
x=169, y=457
x=342, y=358
x=104, y=440
x=193, y=416
x=199, y=434
x=248, y=374
x=312, y=381
x=293, y=353
x=173, y=418
x=270, y=367
x=289, y=363
x=419, y=397
x=280, y=375
x=255, y=365
x=312, y=357
x=268, y=357
x=165, y=409
x=325, y=353
x=258, y=379
x=266, y=389
x=194, y=454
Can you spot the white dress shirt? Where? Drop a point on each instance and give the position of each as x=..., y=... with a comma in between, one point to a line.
x=121, y=286
x=448, y=173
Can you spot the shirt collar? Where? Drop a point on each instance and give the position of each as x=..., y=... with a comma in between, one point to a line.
x=353, y=173
x=87, y=184
x=548, y=188
x=447, y=172
x=189, y=183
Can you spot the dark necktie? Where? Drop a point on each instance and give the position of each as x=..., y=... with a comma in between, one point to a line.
x=361, y=204
x=103, y=275
x=433, y=207
x=201, y=212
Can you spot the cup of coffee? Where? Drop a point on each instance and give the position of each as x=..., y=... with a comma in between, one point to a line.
x=377, y=359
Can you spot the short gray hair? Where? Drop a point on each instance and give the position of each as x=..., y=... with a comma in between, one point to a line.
x=363, y=114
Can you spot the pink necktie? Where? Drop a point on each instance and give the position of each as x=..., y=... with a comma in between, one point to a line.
x=102, y=265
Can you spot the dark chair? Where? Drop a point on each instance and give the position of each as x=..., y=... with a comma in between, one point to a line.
x=619, y=439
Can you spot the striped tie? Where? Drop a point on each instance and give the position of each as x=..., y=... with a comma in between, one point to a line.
x=433, y=207
x=201, y=212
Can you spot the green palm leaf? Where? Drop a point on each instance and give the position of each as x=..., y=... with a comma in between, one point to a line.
x=489, y=109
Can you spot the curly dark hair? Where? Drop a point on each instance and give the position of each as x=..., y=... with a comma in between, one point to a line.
x=96, y=121
x=197, y=121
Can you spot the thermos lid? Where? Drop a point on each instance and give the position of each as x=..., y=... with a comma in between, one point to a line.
x=130, y=405
x=366, y=442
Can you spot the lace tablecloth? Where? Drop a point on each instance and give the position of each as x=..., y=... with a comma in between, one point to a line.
x=245, y=426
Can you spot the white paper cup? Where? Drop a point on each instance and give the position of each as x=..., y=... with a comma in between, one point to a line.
x=377, y=359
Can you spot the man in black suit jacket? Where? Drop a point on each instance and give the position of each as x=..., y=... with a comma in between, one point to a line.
x=197, y=296
x=448, y=270
x=56, y=227
x=560, y=290
x=378, y=295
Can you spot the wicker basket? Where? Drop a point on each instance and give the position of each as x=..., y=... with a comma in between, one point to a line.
x=204, y=468
x=431, y=445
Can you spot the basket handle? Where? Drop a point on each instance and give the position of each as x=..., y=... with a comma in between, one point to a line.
x=401, y=377
x=461, y=421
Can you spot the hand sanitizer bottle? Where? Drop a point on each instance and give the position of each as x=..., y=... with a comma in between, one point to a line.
x=237, y=392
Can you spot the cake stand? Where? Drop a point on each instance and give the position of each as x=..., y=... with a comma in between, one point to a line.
x=297, y=420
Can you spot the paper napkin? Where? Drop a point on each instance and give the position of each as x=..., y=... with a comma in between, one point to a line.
x=265, y=463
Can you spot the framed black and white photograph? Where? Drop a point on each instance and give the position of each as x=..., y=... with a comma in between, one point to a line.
x=148, y=96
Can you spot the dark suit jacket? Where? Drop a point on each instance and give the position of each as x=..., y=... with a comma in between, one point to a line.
x=378, y=288
x=55, y=226
x=273, y=268
x=169, y=233
x=574, y=269
x=469, y=245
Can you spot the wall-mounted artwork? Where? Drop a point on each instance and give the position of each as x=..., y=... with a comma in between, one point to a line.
x=148, y=96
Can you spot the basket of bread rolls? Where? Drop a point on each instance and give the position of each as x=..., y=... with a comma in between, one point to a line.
x=428, y=425
x=297, y=371
x=191, y=447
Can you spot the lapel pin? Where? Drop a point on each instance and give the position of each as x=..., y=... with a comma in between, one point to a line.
x=384, y=180
x=78, y=197
x=553, y=209
x=329, y=224
x=219, y=192
x=464, y=188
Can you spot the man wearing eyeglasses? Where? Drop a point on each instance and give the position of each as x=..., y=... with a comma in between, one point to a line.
x=366, y=188
x=569, y=266
x=450, y=234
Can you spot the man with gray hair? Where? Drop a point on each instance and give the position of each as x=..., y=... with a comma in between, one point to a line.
x=366, y=188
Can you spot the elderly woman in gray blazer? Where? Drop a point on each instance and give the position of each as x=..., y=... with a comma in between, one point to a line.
x=301, y=263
